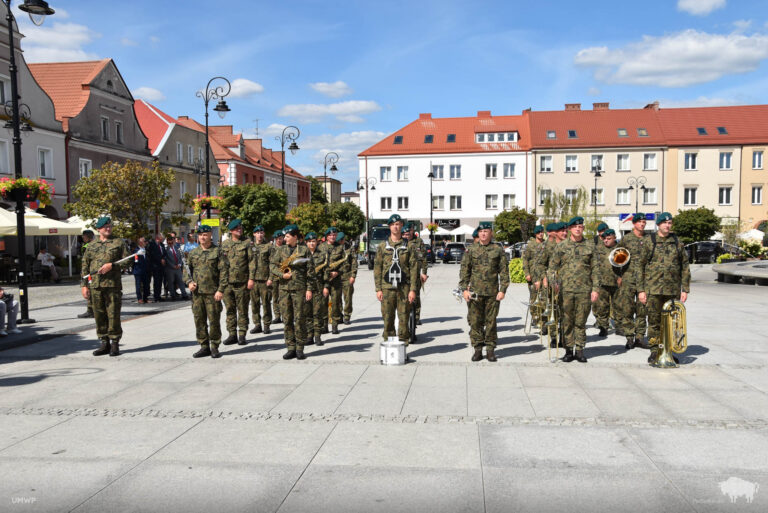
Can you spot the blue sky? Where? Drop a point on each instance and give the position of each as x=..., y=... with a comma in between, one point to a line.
x=349, y=73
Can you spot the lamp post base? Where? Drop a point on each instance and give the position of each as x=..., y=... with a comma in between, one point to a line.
x=26, y=321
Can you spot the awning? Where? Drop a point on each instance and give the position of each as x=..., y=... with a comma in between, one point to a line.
x=439, y=231
x=464, y=229
x=35, y=224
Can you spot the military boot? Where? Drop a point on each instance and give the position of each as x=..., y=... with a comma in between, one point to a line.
x=630, y=343
x=85, y=315
x=324, y=330
x=335, y=329
x=241, y=340
x=214, y=350
x=603, y=332
x=231, y=339
x=318, y=340
x=290, y=354
x=267, y=331
x=104, y=349
x=619, y=332
x=580, y=356
x=639, y=342
x=490, y=355
x=203, y=351
x=277, y=320
x=347, y=321
x=568, y=355
x=114, y=349
x=553, y=344
x=300, y=354
x=310, y=341
x=478, y=354
x=256, y=329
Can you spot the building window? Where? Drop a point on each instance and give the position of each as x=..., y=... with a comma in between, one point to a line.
x=725, y=160
x=570, y=195
x=544, y=195
x=689, y=196
x=45, y=162
x=649, y=162
x=757, y=194
x=724, y=195
x=551, y=134
x=455, y=202
x=623, y=132
x=398, y=139
x=722, y=131
x=572, y=134
x=213, y=190
x=190, y=154
x=199, y=189
x=385, y=173
x=402, y=173
x=571, y=164
x=490, y=171
x=509, y=201
x=622, y=196
x=509, y=170
x=597, y=163
x=182, y=188
x=3, y=85
x=402, y=202
x=757, y=159
x=622, y=162
x=428, y=139
x=437, y=171
x=545, y=164
x=386, y=203
x=179, y=152
x=451, y=138
x=119, y=132
x=85, y=167
x=200, y=154
x=690, y=161
x=597, y=196
x=438, y=202
x=4, y=158
x=649, y=196
x=511, y=137
x=104, y=128
x=480, y=137
x=642, y=132
x=455, y=172
x=491, y=201
x=701, y=130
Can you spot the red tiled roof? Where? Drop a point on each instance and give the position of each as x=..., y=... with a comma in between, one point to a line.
x=67, y=83
x=267, y=158
x=153, y=122
x=413, y=135
x=745, y=124
x=225, y=136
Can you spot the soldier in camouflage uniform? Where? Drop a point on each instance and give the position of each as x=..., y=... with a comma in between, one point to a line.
x=348, y=278
x=541, y=268
x=531, y=256
x=600, y=230
x=104, y=286
x=608, y=279
x=87, y=238
x=393, y=291
x=324, y=247
x=573, y=263
x=241, y=272
x=207, y=278
x=337, y=254
x=319, y=301
x=277, y=242
x=261, y=293
x=484, y=272
x=631, y=311
x=665, y=276
x=296, y=288
x=419, y=248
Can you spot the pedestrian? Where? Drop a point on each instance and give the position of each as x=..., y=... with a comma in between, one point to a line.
x=609, y=279
x=206, y=276
x=630, y=309
x=140, y=273
x=337, y=263
x=87, y=238
x=261, y=293
x=421, y=251
x=172, y=265
x=49, y=262
x=531, y=255
x=155, y=266
x=483, y=280
x=241, y=272
x=102, y=280
x=9, y=308
x=190, y=244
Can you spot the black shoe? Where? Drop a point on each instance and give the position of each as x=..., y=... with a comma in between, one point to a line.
x=568, y=355
x=300, y=355
x=619, y=332
x=114, y=349
x=241, y=340
x=418, y=322
x=490, y=355
x=277, y=320
x=478, y=354
x=675, y=359
x=652, y=357
x=335, y=329
x=214, y=350
x=544, y=330
x=318, y=340
x=255, y=330
x=603, y=333
x=289, y=355
x=580, y=356
x=309, y=342
x=639, y=342
x=85, y=315
x=553, y=344
x=347, y=321
x=414, y=338
x=104, y=349
x=267, y=331
x=203, y=351
x=324, y=330
x=230, y=340
x=630, y=343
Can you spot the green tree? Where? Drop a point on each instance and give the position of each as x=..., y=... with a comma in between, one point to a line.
x=696, y=224
x=348, y=218
x=317, y=193
x=559, y=207
x=130, y=193
x=182, y=215
x=310, y=217
x=514, y=225
x=255, y=204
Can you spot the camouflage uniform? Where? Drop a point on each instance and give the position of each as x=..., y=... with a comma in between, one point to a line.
x=326, y=249
x=348, y=289
x=541, y=270
x=208, y=268
x=631, y=311
x=395, y=297
x=240, y=269
x=664, y=276
x=419, y=249
x=89, y=308
x=531, y=256
x=485, y=271
x=607, y=276
x=106, y=289
x=319, y=303
x=334, y=284
x=261, y=295
x=292, y=293
x=573, y=264
x=275, y=286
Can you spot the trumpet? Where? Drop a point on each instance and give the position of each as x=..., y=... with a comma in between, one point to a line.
x=619, y=257
x=674, y=335
x=459, y=295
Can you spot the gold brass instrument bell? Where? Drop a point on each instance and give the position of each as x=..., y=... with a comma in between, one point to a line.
x=619, y=257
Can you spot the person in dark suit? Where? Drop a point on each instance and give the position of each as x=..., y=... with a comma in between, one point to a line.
x=155, y=265
x=141, y=273
x=173, y=263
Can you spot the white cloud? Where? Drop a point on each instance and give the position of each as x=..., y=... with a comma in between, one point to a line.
x=154, y=39
x=60, y=14
x=594, y=91
x=243, y=88
x=149, y=94
x=128, y=42
x=699, y=7
x=676, y=60
x=741, y=26
x=701, y=101
x=58, y=42
x=344, y=142
x=332, y=89
x=349, y=111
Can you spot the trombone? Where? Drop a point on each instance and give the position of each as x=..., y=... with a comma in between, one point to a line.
x=553, y=313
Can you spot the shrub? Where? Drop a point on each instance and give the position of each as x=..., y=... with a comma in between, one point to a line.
x=724, y=256
x=751, y=247
x=516, y=274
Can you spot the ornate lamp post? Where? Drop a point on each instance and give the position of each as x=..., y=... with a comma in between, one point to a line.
x=596, y=171
x=638, y=183
x=330, y=158
x=367, y=184
x=37, y=10
x=290, y=133
x=211, y=93
x=431, y=177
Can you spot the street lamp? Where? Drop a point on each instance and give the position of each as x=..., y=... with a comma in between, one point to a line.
x=197, y=166
x=330, y=158
x=431, y=177
x=221, y=108
x=638, y=182
x=37, y=10
x=290, y=133
x=367, y=184
x=596, y=171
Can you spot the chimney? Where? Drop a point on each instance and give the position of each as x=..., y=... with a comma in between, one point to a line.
x=425, y=115
x=183, y=117
x=572, y=106
x=652, y=106
x=600, y=106
x=483, y=113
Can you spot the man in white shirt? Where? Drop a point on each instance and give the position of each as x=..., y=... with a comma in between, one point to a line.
x=48, y=260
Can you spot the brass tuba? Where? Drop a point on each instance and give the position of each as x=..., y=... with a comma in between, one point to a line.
x=674, y=335
x=619, y=257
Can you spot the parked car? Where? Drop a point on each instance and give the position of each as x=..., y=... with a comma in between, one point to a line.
x=430, y=254
x=454, y=252
x=705, y=251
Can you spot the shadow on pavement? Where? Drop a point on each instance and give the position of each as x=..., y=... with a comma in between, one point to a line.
x=164, y=345
x=690, y=354
x=29, y=377
x=604, y=350
x=440, y=319
x=354, y=348
x=429, y=336
x=424, y=351
x=519, y=349
x=344, y=328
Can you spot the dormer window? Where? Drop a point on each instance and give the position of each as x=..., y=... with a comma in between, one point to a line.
x=398, y=139
x=110, y=85
x=623, y=132
x=572, y=134
x=428, y=139
x=491, y=137
x=451, y=138
x=642, y=132
x=551, y=134
x=701, y=130
x=722, y=131
x=480, y=138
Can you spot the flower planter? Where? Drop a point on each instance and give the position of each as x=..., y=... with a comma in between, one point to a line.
x=21, y=193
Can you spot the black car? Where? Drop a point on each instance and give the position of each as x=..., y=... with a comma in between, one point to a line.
x=705, y=252
x=454, y=252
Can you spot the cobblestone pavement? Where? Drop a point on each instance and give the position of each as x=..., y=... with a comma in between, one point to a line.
x=155, y=430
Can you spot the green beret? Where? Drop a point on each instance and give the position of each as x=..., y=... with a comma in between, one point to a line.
x=258, y=228
x=404, y=229
x=638, y=217
x=291, y=228
x=608, y=233
x=234, y=223
x=538, y=229
x=340, y=237
x=474, y=234
x=602, y=226
x=310, y=236
x=664, y=216
x=394, y=218
x=88, y=232
x=332, y=229
x=576, y=220
x=277, y=233
x=551, y=227
x=485, y=225
x=204, y=228
x=560, y=226
x=102, y=221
